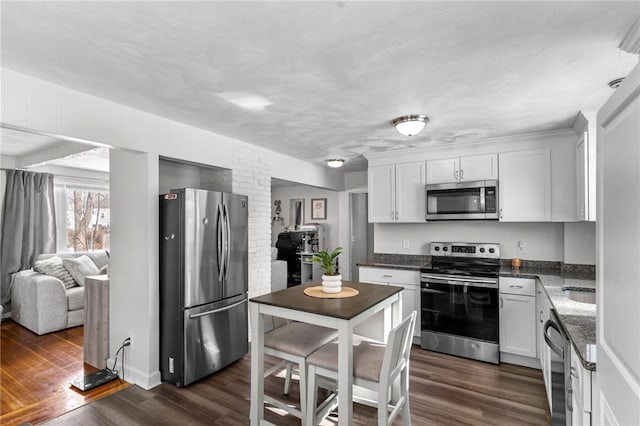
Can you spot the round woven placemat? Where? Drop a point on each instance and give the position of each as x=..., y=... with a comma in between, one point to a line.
x=317, y=292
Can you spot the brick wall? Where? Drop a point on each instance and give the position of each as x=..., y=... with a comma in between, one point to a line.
x=251, y=176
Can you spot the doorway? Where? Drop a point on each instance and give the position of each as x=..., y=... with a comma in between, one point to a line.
x=361, y=232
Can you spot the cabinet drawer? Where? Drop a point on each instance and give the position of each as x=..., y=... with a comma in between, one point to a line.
x=386, y=275
x=523, y=286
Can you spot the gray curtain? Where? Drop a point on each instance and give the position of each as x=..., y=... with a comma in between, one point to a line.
x=28, y=224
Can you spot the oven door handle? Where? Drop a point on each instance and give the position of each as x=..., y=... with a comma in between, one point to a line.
x=476, y=282
x=555, y=348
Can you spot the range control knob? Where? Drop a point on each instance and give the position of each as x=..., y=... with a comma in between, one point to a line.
x=482, y=250
x=491, y=250
x=437, y=248
x=445, y=248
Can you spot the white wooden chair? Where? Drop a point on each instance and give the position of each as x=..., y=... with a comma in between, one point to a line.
x=293, y=343
x=376, y=366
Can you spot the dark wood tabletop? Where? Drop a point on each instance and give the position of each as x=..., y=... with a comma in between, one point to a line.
x=347, y=308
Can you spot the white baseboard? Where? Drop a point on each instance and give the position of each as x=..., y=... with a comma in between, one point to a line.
x=137, y=377
x=525, y=361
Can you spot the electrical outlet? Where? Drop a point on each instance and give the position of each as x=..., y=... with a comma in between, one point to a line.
x=522, y=246
x=128, y=342
x=405, y=244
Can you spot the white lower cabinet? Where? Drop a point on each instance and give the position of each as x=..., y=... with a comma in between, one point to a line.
x=580, y=392
x=544, y=352
x=408, y=280
x=518, y=316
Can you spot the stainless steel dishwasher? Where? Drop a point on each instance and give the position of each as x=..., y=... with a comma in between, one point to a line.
x=561, y=394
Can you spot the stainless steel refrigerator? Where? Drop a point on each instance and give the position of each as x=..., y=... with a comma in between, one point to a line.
x=203, y=283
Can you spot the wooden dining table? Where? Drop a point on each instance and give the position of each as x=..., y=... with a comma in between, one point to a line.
x=340, y=314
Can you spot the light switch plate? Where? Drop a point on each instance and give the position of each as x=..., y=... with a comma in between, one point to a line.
x=405, y=244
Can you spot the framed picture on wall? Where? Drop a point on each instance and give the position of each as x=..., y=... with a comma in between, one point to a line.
x=318, y=209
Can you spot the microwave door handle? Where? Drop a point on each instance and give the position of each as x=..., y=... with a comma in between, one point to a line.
x=483, y=200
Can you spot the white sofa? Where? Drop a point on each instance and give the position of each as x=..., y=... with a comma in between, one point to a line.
x=41, y=302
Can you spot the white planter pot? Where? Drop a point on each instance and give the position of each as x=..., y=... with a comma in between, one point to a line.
x=332, y=283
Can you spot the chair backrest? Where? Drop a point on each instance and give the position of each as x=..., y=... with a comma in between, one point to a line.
x=398, y=350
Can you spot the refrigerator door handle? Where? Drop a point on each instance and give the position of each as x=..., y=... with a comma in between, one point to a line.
x=227, y=224
x=215, y=311
x=219, y=253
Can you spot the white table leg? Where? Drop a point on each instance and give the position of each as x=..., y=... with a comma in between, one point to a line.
x=345, y=374
x=257, y=364
x=397, y=310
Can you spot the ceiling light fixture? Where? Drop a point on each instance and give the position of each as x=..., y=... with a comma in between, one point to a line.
x=410, y=125
x=614, y=84
x=335, y=162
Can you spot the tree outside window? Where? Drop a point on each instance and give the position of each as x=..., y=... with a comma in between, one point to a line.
x=88, y=218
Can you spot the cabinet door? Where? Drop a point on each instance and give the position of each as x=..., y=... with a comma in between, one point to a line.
x=582, y=177
x=517, y=325
x=446, y=170
x=410, y=192
x=382, y=182
x=410, y=302
x=479, y=167
x=525, y=186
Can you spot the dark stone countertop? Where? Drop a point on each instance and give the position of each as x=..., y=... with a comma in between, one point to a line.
x=397, y=261
x=578, y=319
x=406, y=266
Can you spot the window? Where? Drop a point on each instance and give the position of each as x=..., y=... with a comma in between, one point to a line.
x=83, y=216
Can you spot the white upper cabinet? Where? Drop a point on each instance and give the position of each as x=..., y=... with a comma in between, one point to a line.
x=479, y=167
x=397, y=193
x=462, y=169
x=382, y=193
x=410, y=192
x=525, y=186
x=585, y=153
x=446, y=170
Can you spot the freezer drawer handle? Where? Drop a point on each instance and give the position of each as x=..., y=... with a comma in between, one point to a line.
x=215, y=311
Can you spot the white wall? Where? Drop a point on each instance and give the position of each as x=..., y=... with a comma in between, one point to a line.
x=544, y=241
x=182, y=175
x=580, y=243
x=133, y=270
x=331, y=226
x=356, y=181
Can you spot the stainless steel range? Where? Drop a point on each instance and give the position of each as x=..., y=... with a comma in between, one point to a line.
x=459, y=300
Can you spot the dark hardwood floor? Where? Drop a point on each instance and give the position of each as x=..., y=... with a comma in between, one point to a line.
x=36, y=372
x=444, y=390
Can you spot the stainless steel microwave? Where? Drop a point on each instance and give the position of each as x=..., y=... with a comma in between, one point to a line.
x=463, y=201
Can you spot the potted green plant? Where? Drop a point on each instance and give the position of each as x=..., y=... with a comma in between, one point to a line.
x=331, y=279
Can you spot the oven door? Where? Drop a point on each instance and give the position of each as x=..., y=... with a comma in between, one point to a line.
x=460, y=306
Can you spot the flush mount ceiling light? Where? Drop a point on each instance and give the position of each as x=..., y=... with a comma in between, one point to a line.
x=334, y=162
x=410, y=125
x=614, y=84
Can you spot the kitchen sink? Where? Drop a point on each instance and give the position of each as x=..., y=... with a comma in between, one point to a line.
x=582, y=295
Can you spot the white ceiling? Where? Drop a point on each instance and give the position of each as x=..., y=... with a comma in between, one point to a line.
x=323, y=79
